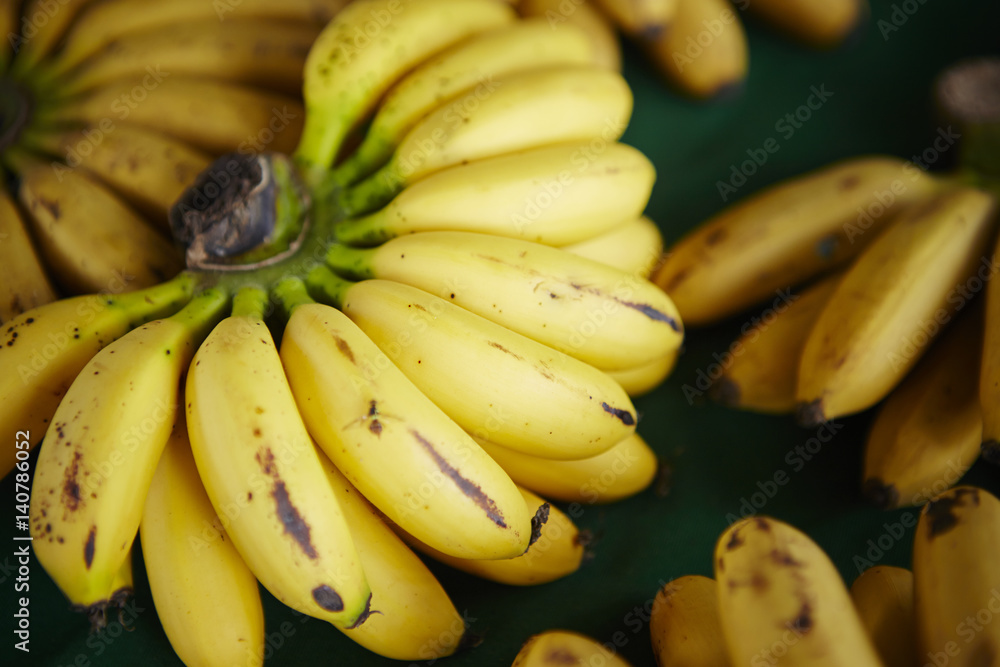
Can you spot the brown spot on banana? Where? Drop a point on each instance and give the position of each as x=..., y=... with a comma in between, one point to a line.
x=327, y=598
x=803, y=621
x=291, y=521
x=71, y=487
x=344, y=349
x=625, y=416
x=537, y=521
x=561, y=656
x=88, y=547
x=940, y=511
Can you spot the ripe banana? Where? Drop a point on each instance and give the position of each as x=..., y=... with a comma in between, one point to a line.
x=891, y=302
x=367, y=46
x=620, y=472
x=927, y=432
x=644, y=378
x=956, y=578
x=786, y=234
x=209, y=115
x=412, y=616
x=122, y=253
x=989, y=371
x=596, y=313
x=704, y=52
x=820, y=24
x=645, y=19
x=24, y=283
x=764, y=360
x=580, y=16
x=464, y=70
x=561, y=408
x=565, y=647
x=44, y=349
x=47, y=28
x=206, y=598
x=261, y=468
x=684, y=624
x=553, y=195
x=781, y=599
x=883, y=596
x=408, y=458
x=101, y=451
x=634, y=247
x=519, y=111
x=9, y=16
x=557, y=552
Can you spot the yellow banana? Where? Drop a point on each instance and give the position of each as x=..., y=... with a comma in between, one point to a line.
x=123, y=252
x=261, y=469
x=566, y=648
x=891, y=302
x=645, y=19
x=782, y=600
x=465, y=70
x=23, y=282
x=10, y=15
x=42, y=26
x=764, y=360
x=412, y=616
x=598, y=27
x=883, y=596
x=603, y=316
x=926, y=433
x=704, y=52
x=817, y=23
x=408, y=458
x=367, y=46
x=622, y=471
x=989, y=371
x=518, y=111
x=45, y=348
x=553, y=195
x=206, y=598
x=102, y=448
x=956, y=578
x=209, y=115
x=644, y=378
x=634, y=247
x=494, y=383
x=684, y=624
x=149, y=169
x=783, y=235
x=556, y=552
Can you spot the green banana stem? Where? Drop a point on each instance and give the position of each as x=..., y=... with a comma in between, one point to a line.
x=372, y=193
x=157, y=301
x=251, y=302
x=203, y=312
x=353, y=262
x=289, y=293
x=327, y=287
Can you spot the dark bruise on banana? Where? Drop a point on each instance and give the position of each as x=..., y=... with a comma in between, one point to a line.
x=940, y=513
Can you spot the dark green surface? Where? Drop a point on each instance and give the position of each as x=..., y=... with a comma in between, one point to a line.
x=880, y=103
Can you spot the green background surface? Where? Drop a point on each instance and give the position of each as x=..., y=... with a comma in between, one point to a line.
x=880, y=103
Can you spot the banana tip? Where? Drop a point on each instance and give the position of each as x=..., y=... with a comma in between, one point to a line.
x=990, y=450
x=810, y=414
x=883, y=496
x=725, y=392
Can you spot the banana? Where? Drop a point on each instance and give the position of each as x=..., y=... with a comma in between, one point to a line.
x=518, y=111
x=582, y=15
x=260, y=467
x=149, y=169
x=989, y=371
x=624, y=470
x=102, y=449
x=821, y=24
x=927, y=432
x=786, y=234
x=643, y=19
x=412, y=616
x=123, y=252
x=24, y=283
x=704, y=53
x=644, y=378
x=557, y=552
x=956, y=578
x=553, y=195
x=261, y=53
x=883, y=596
x=764, y=360
x=566, y=648
x=367, y=46
x=42, y=26
x=536, y=399
x=684, y=624
x=603, y=316
x=781, y=599
x=408, y=458
x=464, y=70
x=10, y=14
x=891, y=302
x=634, y=247
x=209, y=115
x=206, y=598
x=45, y=348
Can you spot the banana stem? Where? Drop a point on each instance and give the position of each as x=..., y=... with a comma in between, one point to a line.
x=289, y=293
x=356, y=263
x=157, y=301
x=203, y=312
x=326, y=286
x=251, y=302
x=372, y=193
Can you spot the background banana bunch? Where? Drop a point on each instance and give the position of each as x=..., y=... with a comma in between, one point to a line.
x=404, y=337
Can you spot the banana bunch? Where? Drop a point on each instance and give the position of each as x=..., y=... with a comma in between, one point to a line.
x=870, y=274
x=700, y=46
x=412, y=334
x=776, y=598
x=111, y=108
